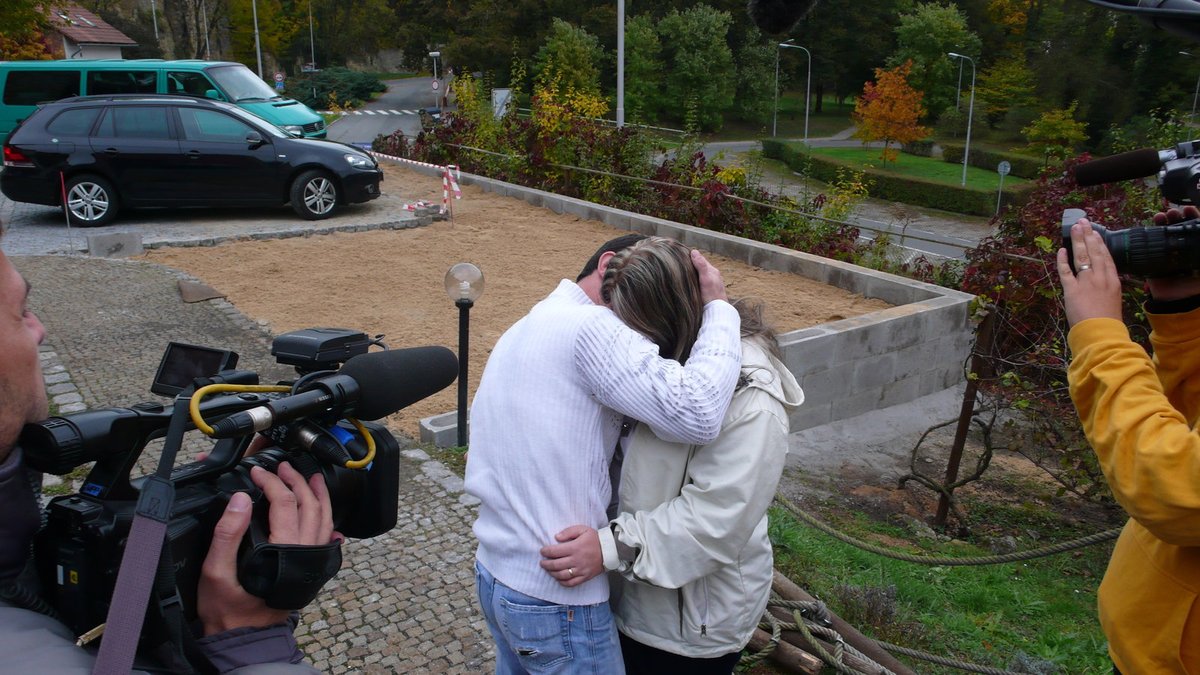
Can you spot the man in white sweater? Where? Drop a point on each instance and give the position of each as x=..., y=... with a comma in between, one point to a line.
x=544, y=423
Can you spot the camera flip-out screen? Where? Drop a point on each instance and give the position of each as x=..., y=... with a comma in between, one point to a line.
x=183, y=363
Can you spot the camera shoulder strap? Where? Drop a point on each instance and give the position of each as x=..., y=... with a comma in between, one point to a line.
x=139, y=564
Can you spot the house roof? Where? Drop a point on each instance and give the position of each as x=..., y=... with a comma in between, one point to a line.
x=85, y=28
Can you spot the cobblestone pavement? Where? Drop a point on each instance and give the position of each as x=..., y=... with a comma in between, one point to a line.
x=403, y=602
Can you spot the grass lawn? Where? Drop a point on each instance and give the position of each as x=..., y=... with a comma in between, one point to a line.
x=1043, y=608
x=926, y=168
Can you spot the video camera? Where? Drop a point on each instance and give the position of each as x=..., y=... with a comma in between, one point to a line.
x=1148, y=251
x=312, y=423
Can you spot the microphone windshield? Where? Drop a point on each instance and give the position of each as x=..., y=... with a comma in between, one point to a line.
x=389, y=381
x=1125, y=166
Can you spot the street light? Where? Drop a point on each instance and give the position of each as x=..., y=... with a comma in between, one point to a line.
x=620, y=63
x=970, y=114
x=312, y=43
x=434, y=56
x=257, y=44
x=464, y=285
x=1192, y=118
x=787, y=44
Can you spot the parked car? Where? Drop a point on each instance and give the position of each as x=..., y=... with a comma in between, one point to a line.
x=24, y=84
x=101, y=154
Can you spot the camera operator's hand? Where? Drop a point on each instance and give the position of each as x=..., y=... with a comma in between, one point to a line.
x=300, y=513
x=1093, y=289
x=1176, y=288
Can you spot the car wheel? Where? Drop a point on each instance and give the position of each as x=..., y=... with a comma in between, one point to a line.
x=314, y=195
x=91, y=201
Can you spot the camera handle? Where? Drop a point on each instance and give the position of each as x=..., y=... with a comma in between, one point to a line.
x=139, y=564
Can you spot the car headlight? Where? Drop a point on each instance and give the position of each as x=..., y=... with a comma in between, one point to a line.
x=359, y=161
x=294, y=129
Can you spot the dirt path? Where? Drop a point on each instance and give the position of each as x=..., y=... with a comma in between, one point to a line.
x=391, y=282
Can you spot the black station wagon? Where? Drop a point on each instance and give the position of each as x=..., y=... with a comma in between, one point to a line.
x=99, y=154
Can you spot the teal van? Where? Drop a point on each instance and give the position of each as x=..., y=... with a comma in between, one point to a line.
x=24, y=84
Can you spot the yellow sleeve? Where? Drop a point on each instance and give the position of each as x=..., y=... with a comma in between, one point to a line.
x=1146, y=447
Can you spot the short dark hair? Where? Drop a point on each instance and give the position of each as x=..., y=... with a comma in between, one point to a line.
x=611, y=246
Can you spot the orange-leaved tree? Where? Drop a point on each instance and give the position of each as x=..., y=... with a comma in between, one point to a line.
x=890, y=110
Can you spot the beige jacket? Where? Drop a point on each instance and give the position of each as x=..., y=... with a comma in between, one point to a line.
x=697, y=563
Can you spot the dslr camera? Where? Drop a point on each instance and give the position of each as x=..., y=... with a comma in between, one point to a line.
x=315, y=422
x=1164, y=251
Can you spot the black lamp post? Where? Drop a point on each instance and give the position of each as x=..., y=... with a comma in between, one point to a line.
x=464, y=285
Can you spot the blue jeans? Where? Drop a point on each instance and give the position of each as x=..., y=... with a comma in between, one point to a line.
x=535, y=636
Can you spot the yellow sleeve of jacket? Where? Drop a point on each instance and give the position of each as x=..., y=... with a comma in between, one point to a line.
x=1138, y=418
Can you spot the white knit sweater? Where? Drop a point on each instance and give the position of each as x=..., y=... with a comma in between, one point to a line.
x=547, y=414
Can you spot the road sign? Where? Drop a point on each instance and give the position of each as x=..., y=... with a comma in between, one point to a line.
x=1003, y=168
x=279, y=77
x=435, y=85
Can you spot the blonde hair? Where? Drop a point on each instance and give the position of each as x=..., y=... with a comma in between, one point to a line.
x=654, y=288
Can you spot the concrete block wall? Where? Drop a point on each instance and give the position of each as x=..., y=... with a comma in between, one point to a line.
x=917, y=347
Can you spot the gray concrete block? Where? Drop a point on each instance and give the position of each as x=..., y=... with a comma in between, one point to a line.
x=873, y=372
x=441, y=430
x=811, y=415
x=115, y=245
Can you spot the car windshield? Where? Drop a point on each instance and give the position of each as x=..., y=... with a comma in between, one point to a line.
x=256, y=121
x=241, y=84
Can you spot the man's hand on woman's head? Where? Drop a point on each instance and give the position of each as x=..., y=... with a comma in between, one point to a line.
x=712, y=285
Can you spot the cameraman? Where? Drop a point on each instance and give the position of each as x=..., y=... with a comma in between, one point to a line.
x=239, y=629
x=1139, y=414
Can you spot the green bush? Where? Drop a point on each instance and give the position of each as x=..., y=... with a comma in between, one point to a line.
x=918, y=148
x=335, y=87
x=896, y=187
x=1023, y=166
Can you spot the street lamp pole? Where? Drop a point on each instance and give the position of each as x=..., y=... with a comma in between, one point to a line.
x=464, y=285
x=1192, y=117
x=970, y=114
x=620, y=63
x=312, y=43
x=257, y=44
x=434, y=56
x=787, y=44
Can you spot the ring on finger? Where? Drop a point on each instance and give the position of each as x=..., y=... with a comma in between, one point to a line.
x=570, y=572
x=1084, y=267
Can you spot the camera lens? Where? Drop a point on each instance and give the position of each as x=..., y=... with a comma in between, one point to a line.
x=1149, y=251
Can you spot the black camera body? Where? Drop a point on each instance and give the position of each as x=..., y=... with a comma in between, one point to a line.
x=79, y=551
x=1152, y=252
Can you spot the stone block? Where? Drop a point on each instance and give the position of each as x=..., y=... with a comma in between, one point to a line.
x=115, y=245
x=441, y=430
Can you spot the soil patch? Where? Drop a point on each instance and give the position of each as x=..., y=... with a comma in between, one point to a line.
x=392, y=282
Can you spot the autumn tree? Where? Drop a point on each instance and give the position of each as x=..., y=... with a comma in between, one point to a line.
x=1055, y=134
x=571, y=57
x=21, y=37
x=890, y=110
x=1005, y=87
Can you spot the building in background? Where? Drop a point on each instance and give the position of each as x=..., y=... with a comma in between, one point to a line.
x=84, y=35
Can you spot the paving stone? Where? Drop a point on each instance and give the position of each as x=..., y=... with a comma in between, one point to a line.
x=398, y=596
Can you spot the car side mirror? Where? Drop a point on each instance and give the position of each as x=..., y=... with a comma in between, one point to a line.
x=213, y=94
x=254, y=139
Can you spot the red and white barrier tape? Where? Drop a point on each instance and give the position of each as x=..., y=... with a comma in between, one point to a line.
x=449, y=181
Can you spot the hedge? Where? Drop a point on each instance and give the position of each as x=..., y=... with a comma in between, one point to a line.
x=1023, y=166
x=897, y=188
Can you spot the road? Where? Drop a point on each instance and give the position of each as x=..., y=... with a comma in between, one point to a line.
x=395, y=109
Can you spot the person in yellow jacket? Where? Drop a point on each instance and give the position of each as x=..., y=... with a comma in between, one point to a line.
x=1139, y=414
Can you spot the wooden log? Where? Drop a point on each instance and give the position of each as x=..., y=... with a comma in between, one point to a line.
x=788, y=590
x=786, y=654
x=796, y=639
